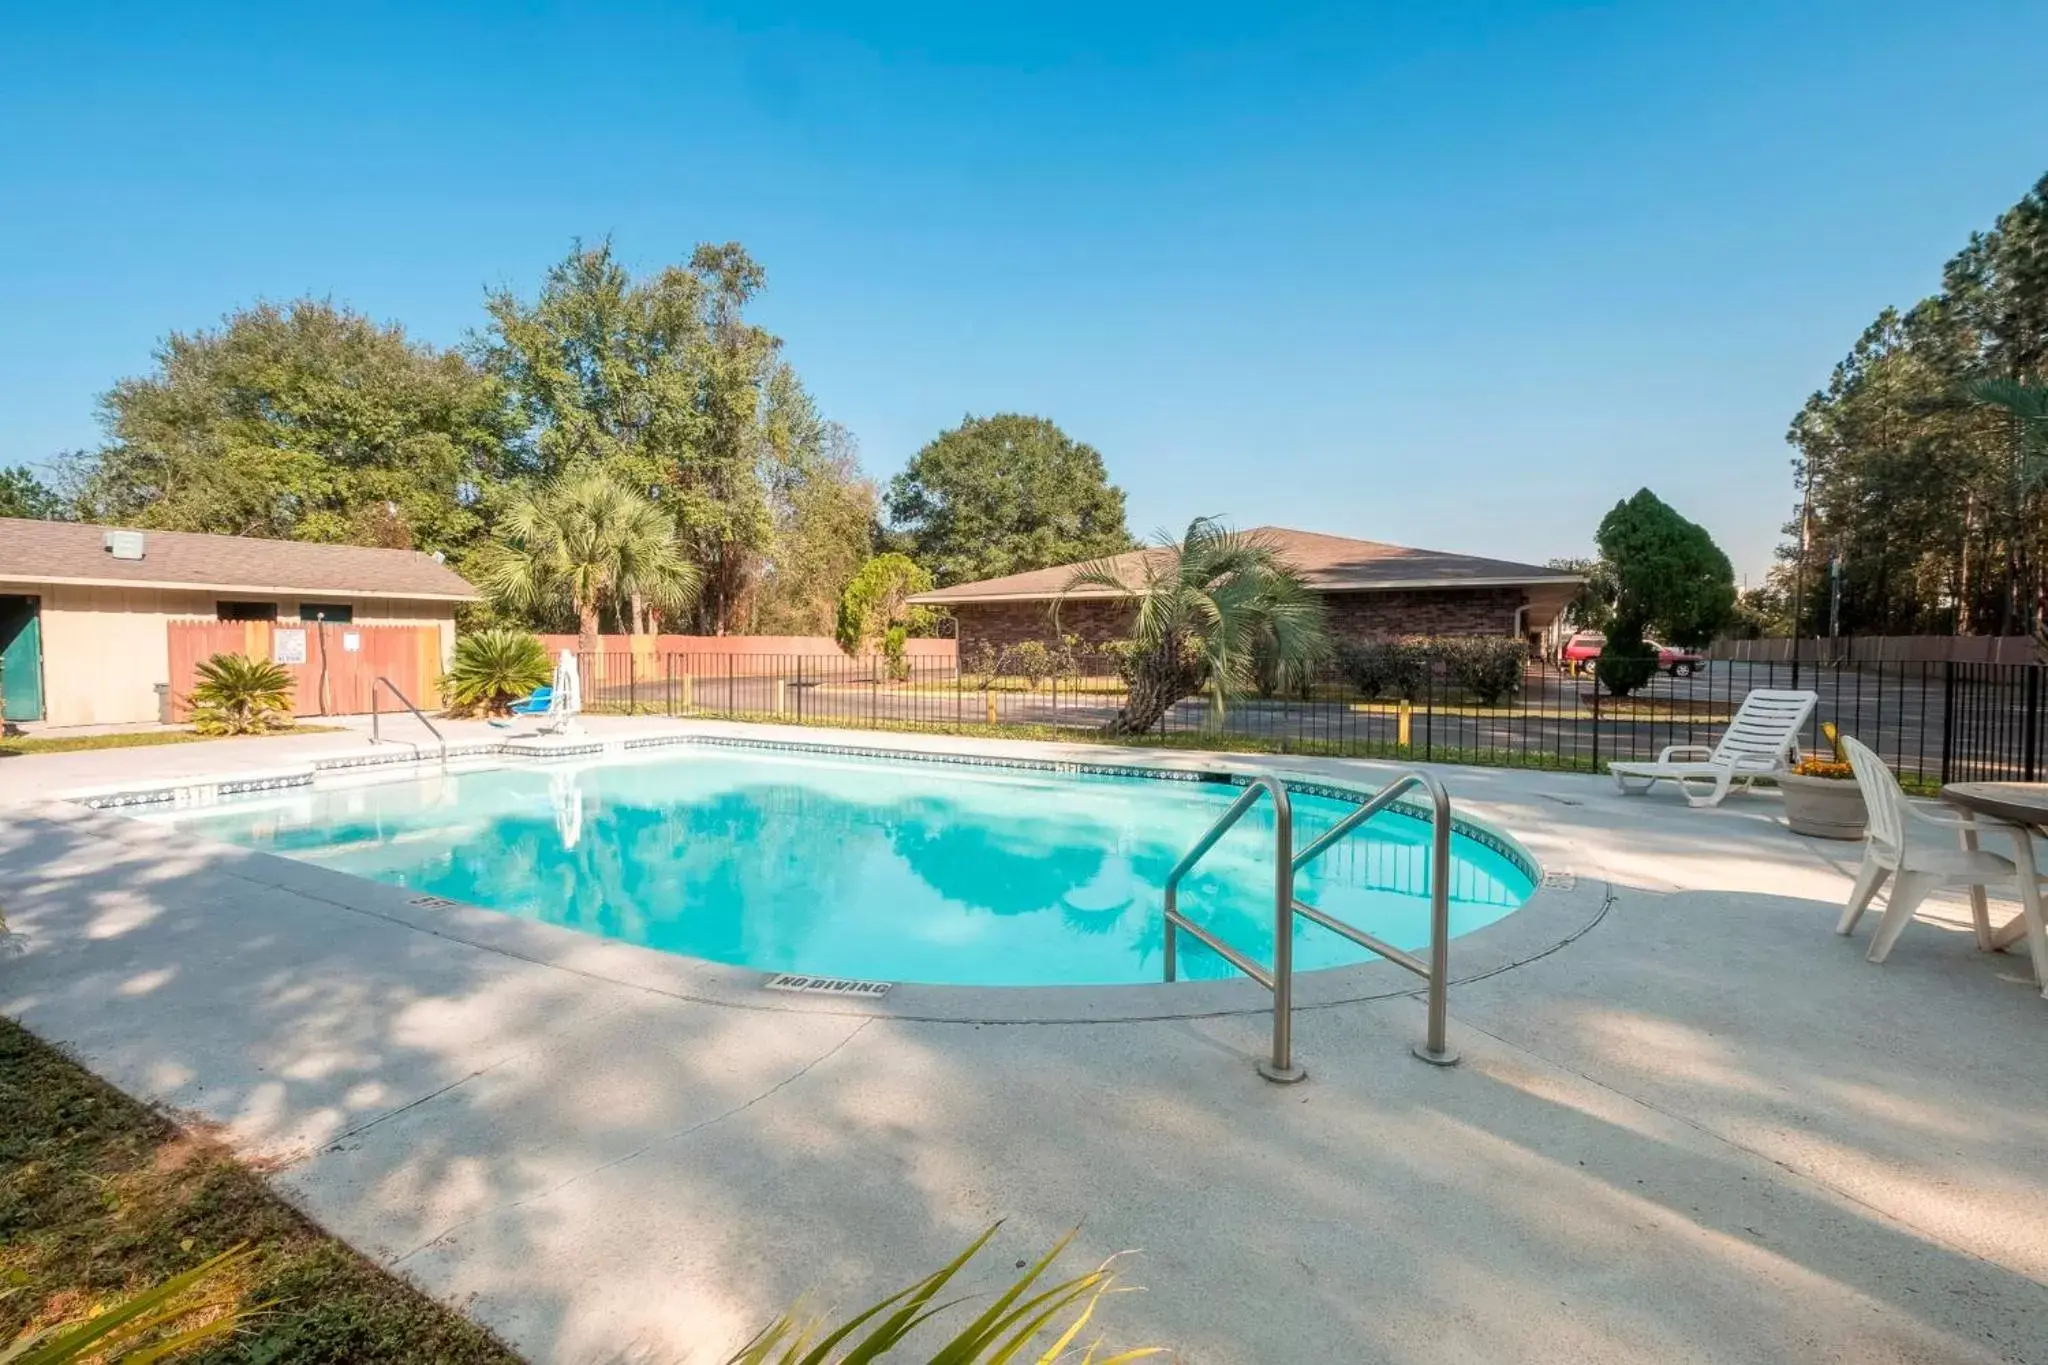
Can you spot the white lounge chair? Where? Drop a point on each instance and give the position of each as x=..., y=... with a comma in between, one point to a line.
x=1914, y=870
x=1758, y=743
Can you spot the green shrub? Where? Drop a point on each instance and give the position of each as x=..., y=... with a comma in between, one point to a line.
x=1121, y=656
x=238, y=695
x=1668, y=575
x=1271, y=675
x=1031, y=661
x=1625, y=664
x=1488, y=668
x=1066, y=657
x=874, y=607
x=978, y=665
x=894, y=655
x=1385, y=668
x=494, y=668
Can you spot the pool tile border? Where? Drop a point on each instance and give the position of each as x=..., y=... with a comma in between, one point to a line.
x=1299, y=786
x=197, y=793
x=203, y=792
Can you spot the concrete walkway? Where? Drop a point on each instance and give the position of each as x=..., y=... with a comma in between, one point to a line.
x=1703, y=1129
x=35, y=777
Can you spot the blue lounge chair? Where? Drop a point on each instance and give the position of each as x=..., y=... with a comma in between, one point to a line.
x=537, y=704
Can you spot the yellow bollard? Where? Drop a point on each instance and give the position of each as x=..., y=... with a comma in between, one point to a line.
x=780, y=688
x=1404, y=715
x=991, y=695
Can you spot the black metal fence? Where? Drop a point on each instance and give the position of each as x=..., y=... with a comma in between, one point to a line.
x=1932, y=722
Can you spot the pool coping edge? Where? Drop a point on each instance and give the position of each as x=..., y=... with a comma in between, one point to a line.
x=1560, y=908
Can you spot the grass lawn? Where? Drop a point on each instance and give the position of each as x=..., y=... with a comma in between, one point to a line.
x=20, y=746
x=101, y=1197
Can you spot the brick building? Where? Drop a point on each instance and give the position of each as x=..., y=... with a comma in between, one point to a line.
x=1372, y=591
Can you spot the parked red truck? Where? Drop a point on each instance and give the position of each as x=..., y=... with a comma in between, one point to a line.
x=1584, y=647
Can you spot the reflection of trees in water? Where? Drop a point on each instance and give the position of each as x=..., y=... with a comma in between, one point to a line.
x=675, y=874
x=754, y=872
x=744, y=874
x=1008, y=867
x=1095, y=921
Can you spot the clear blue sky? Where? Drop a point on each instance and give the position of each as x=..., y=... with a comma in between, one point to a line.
x=1451, y=275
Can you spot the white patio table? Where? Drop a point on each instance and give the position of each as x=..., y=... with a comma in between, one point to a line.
x=2022, y=808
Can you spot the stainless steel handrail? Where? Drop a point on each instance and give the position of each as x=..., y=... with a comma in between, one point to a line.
x=1436, y=968
x=377, y=716
x=1286, y=863
x=1280, y=1067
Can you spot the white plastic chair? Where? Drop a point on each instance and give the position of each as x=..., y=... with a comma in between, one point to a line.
x=1914, y=870
x=1757, y=743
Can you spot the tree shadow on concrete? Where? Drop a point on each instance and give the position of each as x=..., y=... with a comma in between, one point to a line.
x=1706, y=1131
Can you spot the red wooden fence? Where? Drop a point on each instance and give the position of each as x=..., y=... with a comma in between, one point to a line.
x=354, y=657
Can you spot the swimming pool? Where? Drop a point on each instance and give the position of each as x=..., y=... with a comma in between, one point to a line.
x=870, y=868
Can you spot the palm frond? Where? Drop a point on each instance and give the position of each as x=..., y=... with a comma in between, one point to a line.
x=1212, y=608
x=2028, y=402
x=586, y=539
x=128, y=1323
x=240, y=695
x=1015, y=1321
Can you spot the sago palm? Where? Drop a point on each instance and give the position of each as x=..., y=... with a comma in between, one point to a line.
x=238, y=695
x=1206, y=608
x=494, y=668
x=588, y=539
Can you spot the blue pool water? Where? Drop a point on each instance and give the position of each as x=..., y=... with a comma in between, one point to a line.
x=889, y=871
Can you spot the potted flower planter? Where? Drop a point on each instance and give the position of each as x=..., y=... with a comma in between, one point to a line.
x=1822, y=805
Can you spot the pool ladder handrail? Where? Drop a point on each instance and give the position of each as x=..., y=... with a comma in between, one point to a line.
x=377, y=716
x=1287, y=863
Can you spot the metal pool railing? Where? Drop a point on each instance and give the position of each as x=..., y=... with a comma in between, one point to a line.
x=1287, y=864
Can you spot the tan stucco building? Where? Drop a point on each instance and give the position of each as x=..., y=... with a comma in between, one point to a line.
x=86, y=611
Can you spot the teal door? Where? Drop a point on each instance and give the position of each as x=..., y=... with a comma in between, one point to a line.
x=21, y=658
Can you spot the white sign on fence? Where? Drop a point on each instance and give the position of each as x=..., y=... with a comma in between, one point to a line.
x=288, y=646
x=351, y=641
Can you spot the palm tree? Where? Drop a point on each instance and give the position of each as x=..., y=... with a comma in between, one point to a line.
x=2028, y=404
x=588, y=539
x=1208, y=607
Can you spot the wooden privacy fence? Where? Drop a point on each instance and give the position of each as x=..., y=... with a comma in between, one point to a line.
x=1933, y=649
x=353, y=657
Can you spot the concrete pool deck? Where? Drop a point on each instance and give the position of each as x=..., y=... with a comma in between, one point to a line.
x=1691, y=1123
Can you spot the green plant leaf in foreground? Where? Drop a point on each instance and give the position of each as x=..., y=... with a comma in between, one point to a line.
x=999, y=1335
x=127, y=1323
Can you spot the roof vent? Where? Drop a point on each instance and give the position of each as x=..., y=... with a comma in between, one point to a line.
x=123, y=544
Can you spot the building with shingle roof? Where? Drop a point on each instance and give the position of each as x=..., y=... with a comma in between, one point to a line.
x=86, y=610
x=1371, y=589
